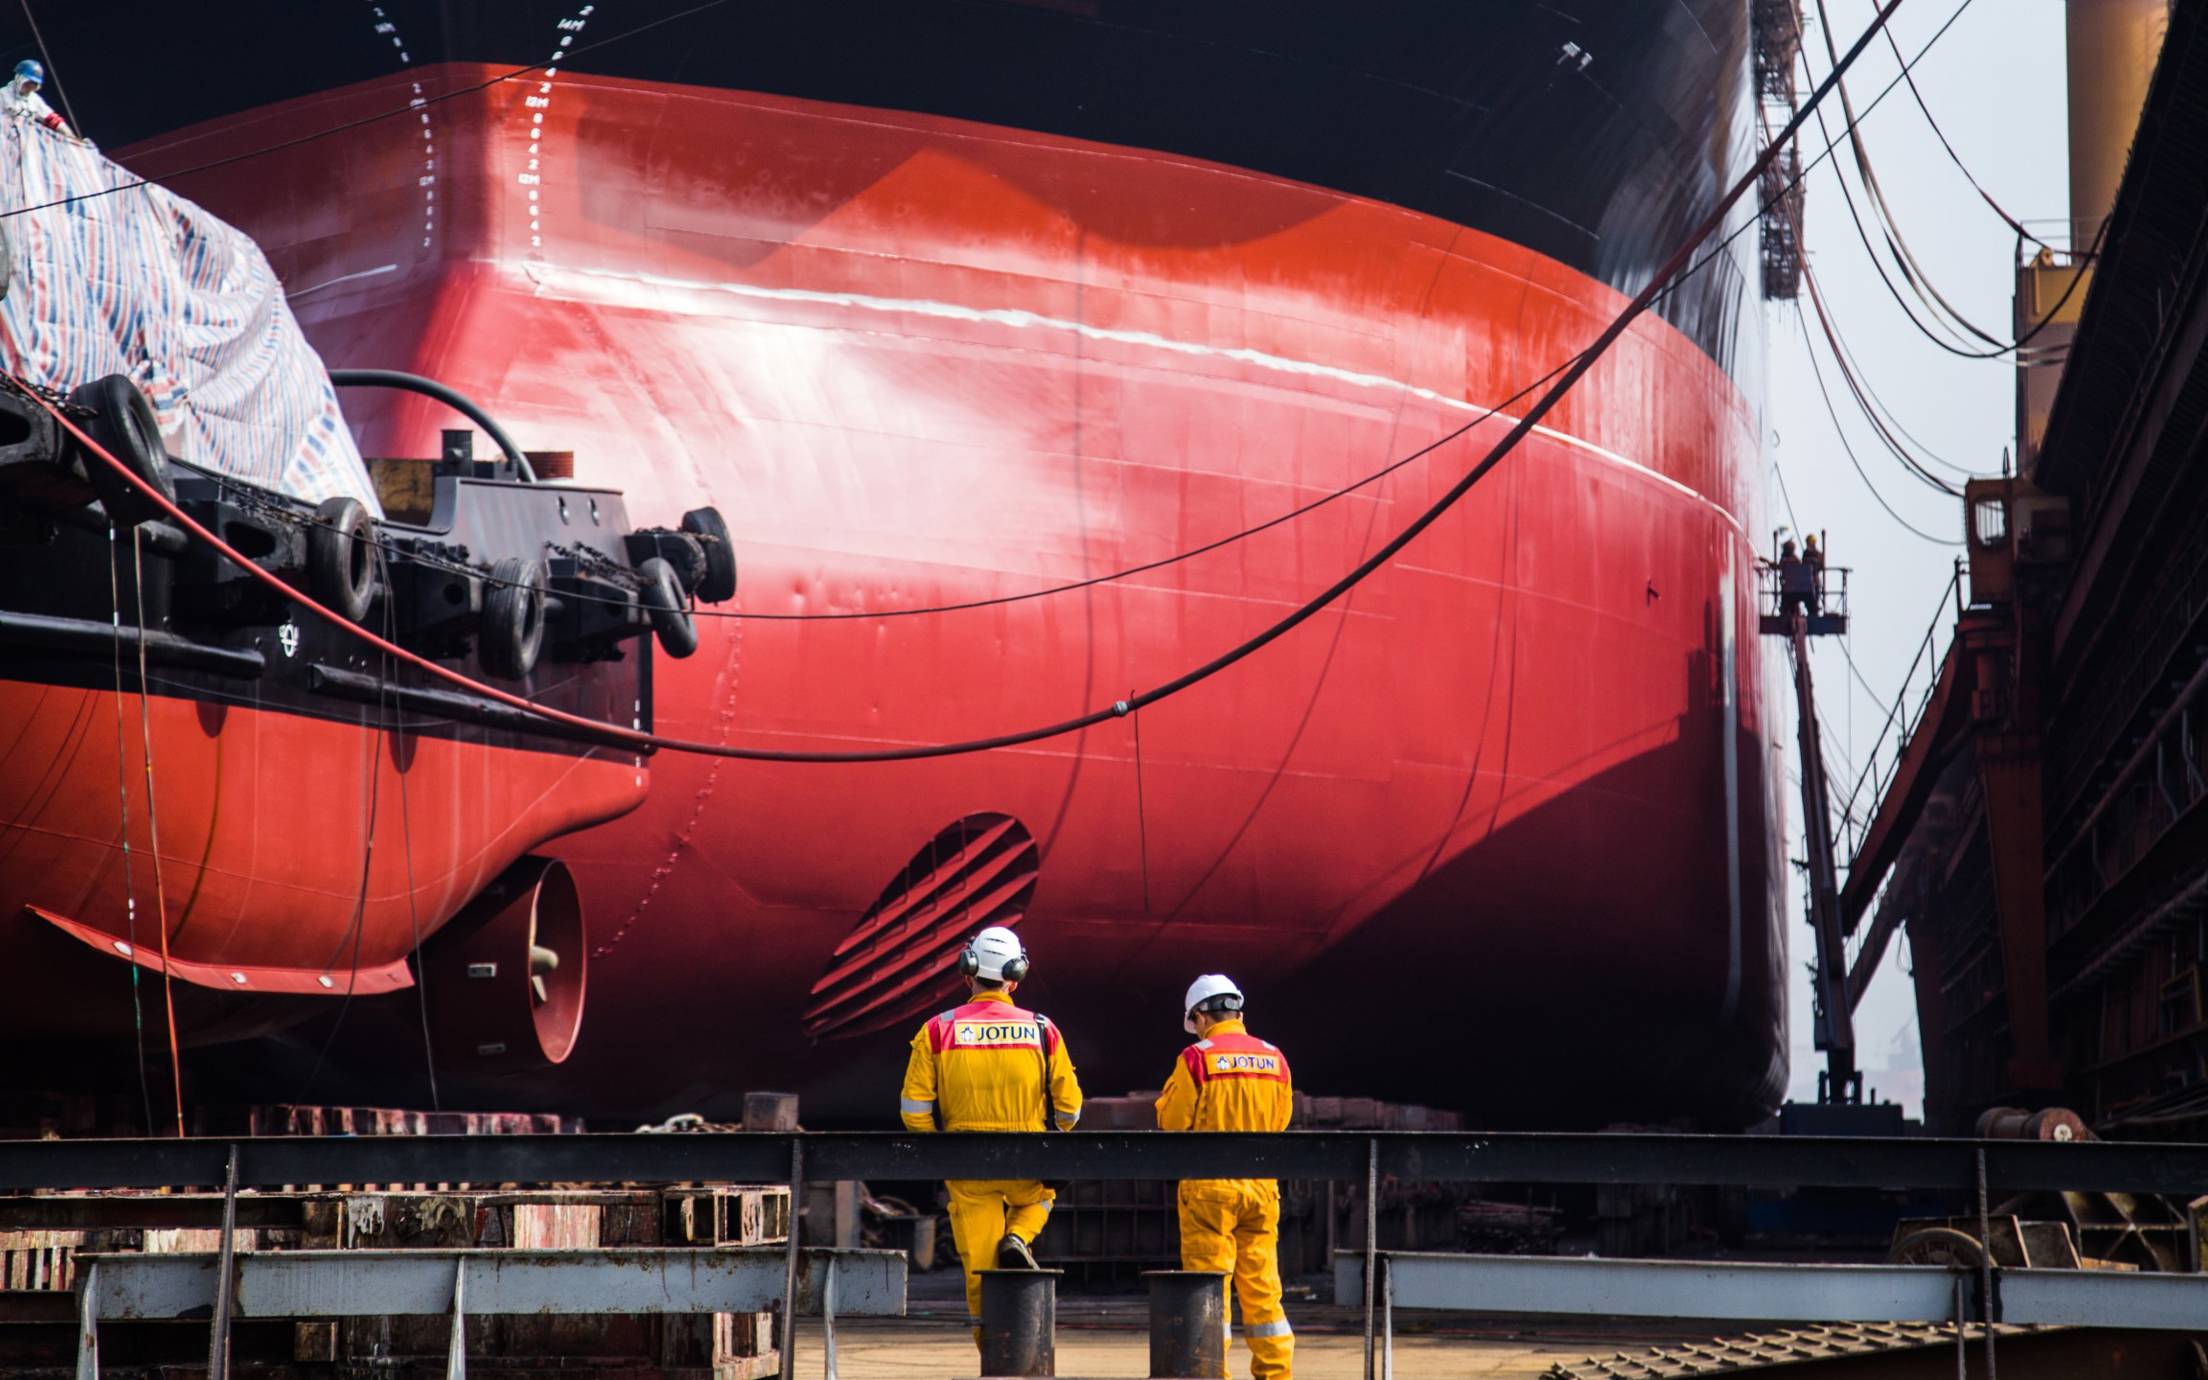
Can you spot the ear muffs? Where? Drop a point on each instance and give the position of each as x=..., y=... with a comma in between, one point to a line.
x=969, y=965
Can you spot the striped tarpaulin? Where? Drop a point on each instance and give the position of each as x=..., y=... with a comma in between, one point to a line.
x=144, y=283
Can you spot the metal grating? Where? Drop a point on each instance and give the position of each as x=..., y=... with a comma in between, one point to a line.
x=900, y=959
x=1764, y=1351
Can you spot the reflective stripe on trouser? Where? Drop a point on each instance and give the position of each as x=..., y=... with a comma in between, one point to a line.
x=984, y=1212
x=1233, y=1226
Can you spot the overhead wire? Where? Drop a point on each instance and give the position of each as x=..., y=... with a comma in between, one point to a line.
x=1841, y=435
x=122, y=787
x=406, y=843
x=1997, y=347
x=1957, y=159
x=1217, y=543
x=153, y=826
x=1680, y=259
x=1905, y=259
x=53, y=73
x=1147, y=567
x=1847, y=197
x=1863, y=402
x=372, y=790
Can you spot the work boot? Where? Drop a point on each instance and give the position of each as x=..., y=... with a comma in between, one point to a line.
x=1013, y=1254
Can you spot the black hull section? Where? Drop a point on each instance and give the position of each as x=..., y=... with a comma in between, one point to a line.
x=1598, y=133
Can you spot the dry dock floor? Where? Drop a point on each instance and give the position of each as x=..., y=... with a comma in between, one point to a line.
x=1107, y=1340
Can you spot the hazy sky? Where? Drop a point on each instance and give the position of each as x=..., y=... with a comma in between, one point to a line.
x=1995, y=82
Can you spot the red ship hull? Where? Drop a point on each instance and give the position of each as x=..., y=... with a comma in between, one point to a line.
x=1516, y=792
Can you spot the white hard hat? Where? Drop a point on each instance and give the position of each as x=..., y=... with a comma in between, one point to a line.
x=994, y=954
x=1209, y=987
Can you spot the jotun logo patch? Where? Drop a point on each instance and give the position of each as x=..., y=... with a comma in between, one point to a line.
x=1246, y=1063
x=982, y=1034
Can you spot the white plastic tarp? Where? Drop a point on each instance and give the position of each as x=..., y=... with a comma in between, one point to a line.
x=144, y=283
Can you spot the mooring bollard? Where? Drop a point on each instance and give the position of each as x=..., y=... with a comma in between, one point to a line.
x=1019, y=1322
x=1188, y=1324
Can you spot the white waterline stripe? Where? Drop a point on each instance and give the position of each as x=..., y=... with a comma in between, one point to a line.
x=1020, y=319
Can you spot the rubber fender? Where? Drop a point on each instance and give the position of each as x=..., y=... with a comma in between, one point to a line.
x=341, y=557
x=123, y=423
x=662, y=597
x=513, y=618
x=707, y=525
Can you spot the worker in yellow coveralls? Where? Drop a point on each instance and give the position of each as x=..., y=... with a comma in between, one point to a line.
x=990, y=1066
x=1230, y=1080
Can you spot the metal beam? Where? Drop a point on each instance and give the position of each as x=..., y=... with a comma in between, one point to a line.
x=1923, y=753
x=1521, y=1157
x=419, y=1283
x=1774, y=1293
x=76, y=1212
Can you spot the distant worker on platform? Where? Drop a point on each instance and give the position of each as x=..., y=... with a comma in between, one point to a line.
x=1795, y=580
x=990, y=1066
x=22, y=97
x=1230, y=1080
x=1814, y=558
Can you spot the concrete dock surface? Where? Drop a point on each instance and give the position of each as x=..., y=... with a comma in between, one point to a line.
x=904, y=1348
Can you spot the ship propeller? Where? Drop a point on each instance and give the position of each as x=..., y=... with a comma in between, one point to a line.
x=542, y=963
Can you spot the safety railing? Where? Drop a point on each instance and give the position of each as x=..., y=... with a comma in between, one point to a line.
x=460, y=1284
x=1884, y=758
x=1518, y=1157
x=1958, y=1166
x=1821, y=590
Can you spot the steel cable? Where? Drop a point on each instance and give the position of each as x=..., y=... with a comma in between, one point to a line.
x=1671, y=268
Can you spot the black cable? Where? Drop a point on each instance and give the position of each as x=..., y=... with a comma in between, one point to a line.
x=1999, y=348
x=1291, y=514
x=413, y=108
x=1841, y=435
x=2011, y=221
x=1074, y=586
x=122, y=786
x=449, y=396
x=367, y=866
x=1864, y=404
x=1882, y=417
x=406, y=843
x=1697, y=266
x=1577, y=369
x=1904, y=258
x=1862, y=235
x=1766, y=207
x=1851, y=365
x=1584, y=361
x=53, y=73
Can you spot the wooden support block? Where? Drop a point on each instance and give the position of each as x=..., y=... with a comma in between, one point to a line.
x=770, y=1111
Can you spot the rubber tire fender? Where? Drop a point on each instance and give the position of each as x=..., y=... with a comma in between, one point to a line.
x=341, y=558
x=662, y=598
x=513, y=618
x=124, y=426
x=706, y=524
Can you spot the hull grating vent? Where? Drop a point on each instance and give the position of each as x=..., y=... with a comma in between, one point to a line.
x=901, y=959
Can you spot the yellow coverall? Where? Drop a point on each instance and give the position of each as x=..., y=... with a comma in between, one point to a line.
x=990, y=1066
x=1233, y=1081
